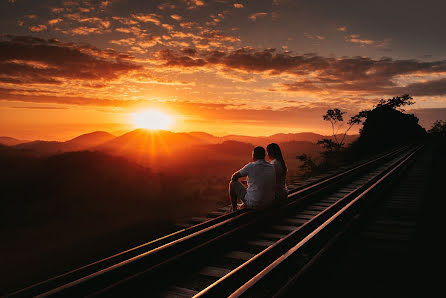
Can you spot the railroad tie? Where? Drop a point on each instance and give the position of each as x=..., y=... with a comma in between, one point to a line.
x=239, y=255
x=214, y=271
x=179, y=292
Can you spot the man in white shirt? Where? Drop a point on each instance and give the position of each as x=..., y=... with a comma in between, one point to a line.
x=261, y=183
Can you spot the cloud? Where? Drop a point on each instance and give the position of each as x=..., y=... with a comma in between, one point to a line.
x=54, y=21
x=38, y=96
x=219, y=36
x=93, y=20
x=314, y=37
x=355, y=38
x=176, y=17
x=189, y=25
x=125, y=21
x=166, y=5
x=315, y=73
x=38, y=28
x=191, y=4
x=124, y=41
x=427, y=88
x=106, y=3
x=257, y=15
x=39, y=108
x=134, y=30
x=148, y=18
x=31, y=60
x=168, y=27
x=26, y=18
x=185, y=61
x=57, y=9
x=83, y=31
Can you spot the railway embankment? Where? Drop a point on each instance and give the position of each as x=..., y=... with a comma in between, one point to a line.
x=394, y=249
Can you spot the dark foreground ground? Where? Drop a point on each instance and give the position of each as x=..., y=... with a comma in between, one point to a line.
x=395, y=251
x=355, y=268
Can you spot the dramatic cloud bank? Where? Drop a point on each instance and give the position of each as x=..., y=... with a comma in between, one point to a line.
x=25, y=60
x=316, y=73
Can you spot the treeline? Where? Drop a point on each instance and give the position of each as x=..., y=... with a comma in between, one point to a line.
x=384, y=126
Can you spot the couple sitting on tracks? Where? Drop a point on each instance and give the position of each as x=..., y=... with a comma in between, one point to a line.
x=266, y=181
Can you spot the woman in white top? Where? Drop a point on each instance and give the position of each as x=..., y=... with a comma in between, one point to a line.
x=275, y=154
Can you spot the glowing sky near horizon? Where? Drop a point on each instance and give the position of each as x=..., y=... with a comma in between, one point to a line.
x=223, y=67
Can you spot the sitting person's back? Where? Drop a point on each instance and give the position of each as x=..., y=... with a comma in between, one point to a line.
x=281, y=189
x=275, y=154
x=261, y=183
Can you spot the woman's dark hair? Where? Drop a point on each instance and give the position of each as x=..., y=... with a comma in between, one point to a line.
x=274, y=151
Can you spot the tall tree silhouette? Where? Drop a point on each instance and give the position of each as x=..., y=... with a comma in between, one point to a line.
x=384, y=125
x=335, y=117
x=438, y=129
x=387, y=125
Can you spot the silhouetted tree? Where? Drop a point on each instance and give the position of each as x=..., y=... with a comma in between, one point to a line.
x=395, y=102
x=438, y=129
x=329, y=145
x=384, y=125
x=308, y=165
x=335, y=116
x=387, y=125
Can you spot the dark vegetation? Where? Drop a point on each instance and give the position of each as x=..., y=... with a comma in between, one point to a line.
x=63, y=211
x=438, y=130
x=405, y=265
x=383, y=127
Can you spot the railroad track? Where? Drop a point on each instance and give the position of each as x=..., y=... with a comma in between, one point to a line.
x=237, y=253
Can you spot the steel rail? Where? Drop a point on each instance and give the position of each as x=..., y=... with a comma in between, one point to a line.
x=77, y=273
x=123, y=286
x=82, y=274
x=331, y=214
x=282, y=292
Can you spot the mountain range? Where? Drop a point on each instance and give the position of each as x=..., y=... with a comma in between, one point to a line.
x=159, y=143
x=8, y=141
x=80, y=143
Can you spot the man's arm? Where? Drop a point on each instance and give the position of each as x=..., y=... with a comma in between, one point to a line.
x=236, y=175
x=243, y=172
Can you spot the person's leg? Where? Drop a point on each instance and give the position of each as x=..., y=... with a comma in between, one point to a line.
x=232, y=196
x=236, y=190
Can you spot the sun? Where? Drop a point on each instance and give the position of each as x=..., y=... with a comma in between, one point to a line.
x=151, y=119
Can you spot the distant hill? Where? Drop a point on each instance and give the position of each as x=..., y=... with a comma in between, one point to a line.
x=205, y=137
x=88, y=140
x=229, y=148
x=285, y=137
x=82, y=142
x=144, y=145
x=244, y=149
x=8, y=141
x=245, y=139
x=140, y=143
x=293, y=148
x=42, y=147
x=291, y=137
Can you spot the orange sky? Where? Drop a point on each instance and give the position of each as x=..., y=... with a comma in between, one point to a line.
x=223, y=67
